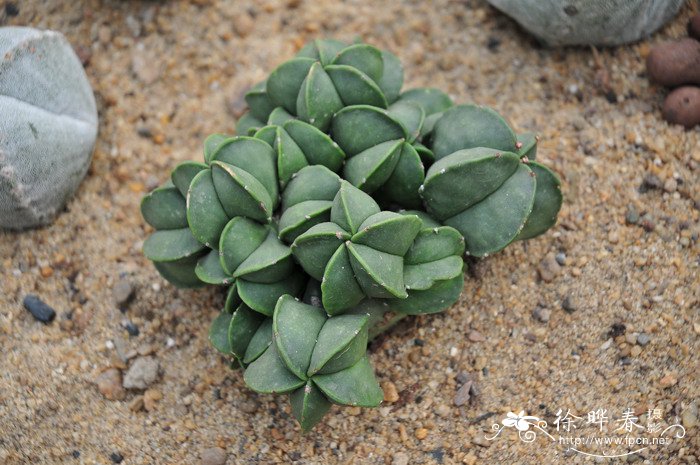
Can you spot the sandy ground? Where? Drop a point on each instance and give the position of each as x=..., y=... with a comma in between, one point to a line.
x=166, y=74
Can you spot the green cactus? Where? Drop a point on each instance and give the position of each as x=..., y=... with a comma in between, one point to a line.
x=353, y=196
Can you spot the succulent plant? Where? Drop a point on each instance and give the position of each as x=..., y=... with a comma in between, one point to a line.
x=484, y=183
x=344, y=206
x=324, y=77
x=172, y=248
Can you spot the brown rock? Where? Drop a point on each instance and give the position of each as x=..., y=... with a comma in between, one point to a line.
x=694, y=27
x=109, y=383
x=243, y=24
x=421, y=433
x=682, y=106
x=151, y=398
x=668, y=380
x=136, y=404
x=390, y=393
x=673, y=64
x=475, y=336
x=213, y=456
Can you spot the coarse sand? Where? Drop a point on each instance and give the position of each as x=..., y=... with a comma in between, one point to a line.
x=602, y=312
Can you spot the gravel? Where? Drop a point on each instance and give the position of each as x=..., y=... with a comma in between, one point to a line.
x=569, y=304
x=541, y=314
x=213, y=456
x=39, y=309
x=549, y=268
x=643, y=339
x=142, y=373
x=123, y=293
x=109, y=383
x=205, y=62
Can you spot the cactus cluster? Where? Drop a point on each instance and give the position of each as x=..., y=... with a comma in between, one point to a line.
x=342, y=205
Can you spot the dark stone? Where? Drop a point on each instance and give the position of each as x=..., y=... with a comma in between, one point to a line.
x=75, y=454
x=438, y=454
x=462, y=377
x=617, y=329
x=39, y=309
x=11, y=9
x=132, y=329
x=569, y=304
x=493, y=44
x=632, y=215
x=611, y=96
x=419, y=342
x=116, y=457
x=650, y=181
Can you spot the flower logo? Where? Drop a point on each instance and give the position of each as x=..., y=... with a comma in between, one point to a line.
x=519, y=421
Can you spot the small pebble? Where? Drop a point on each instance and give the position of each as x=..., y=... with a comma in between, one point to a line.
x=632, y=215
x=213, y=456
x=689, y=417
x=400, y=458
x=142, y=373
x=462, y=377
x=463, y=394
x=151, y=398
x=643, y=339
x=39, y=309
x=116, y=457
x=443, y=410
x=670, y=185
x=617, y=329
x=132, y=329
x=541, y=314
x=549, y=268
x=421, y=433
x=243, y=24
x=123, y=293
x=136, y=404
x=475, y=336
x=569, y=304
x=560, y=258
x=650, y=181
x=11, y=9
x=109, y=383
x=668, y=380
x=390, y=393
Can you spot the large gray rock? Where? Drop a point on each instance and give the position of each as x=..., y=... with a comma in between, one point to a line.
x=48, y=125
x=590, y=22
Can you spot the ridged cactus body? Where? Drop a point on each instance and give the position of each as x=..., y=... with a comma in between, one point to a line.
x=344, y=205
